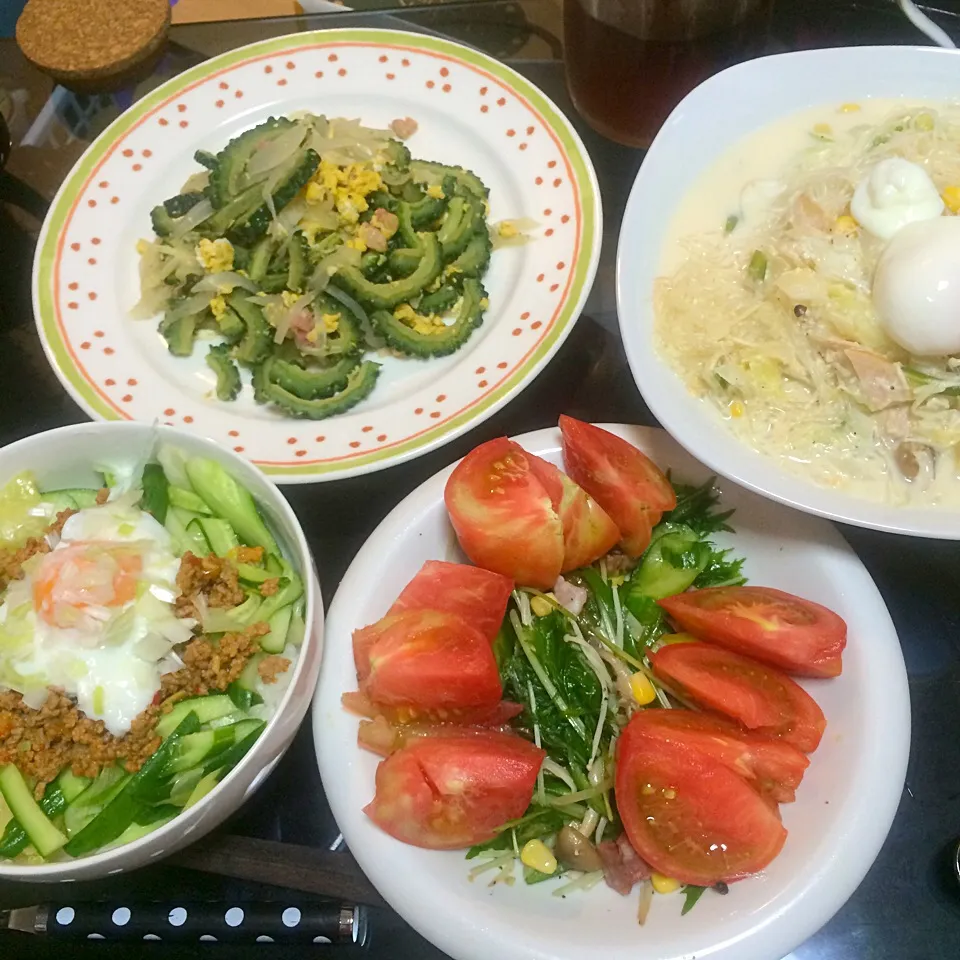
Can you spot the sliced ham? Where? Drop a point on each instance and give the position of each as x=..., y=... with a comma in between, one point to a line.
x=882, y=383
x=622, y=865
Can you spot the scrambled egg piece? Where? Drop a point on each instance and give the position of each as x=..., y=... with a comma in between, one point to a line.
x=215, y=256
x=348, y=187
x=422, y=323
x=484, y=303
x=507, y=229
x=218, y=306
x=435, y=191
x=312, y=336
x=331, y=321
x=356, y=243
x=142, y=247
x=289, y=298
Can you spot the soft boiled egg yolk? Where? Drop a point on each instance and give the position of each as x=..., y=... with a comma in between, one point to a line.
x=896, y=192
x=916, y=288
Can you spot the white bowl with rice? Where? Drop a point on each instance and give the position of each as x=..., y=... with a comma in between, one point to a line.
x=273, y=701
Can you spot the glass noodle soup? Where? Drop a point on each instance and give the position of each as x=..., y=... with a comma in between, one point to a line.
x=810, y=291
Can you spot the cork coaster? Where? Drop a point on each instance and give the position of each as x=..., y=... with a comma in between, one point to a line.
x=91, y=44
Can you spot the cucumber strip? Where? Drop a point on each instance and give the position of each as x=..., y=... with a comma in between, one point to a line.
x=220, y=535
x=237, y=752
x=155, y=499
x=251, y=574
x=71, y=786
x=231, y=501
x=81, y=496
x=15, y=838
x=219, y=620
x=137, y=830
x=44, y=836
x=276, y=639
x=187, y=540
x=205, y=709
x=183, y=784
x=242, y=697
x=119, y=813
x=196, y=748
x=298, y=627
x=203, y=787
x=78, y=815
x=151, y=815
x=289, y=592
x=187, y=500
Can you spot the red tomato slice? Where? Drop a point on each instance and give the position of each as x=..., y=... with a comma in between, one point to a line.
x=476, y=595
x=381, y=736
x=775, y=768
x=629, y=486
x=491, y=717
x=760, y=697
x=690, y=816
x=797, y=635
x=588, y=532
x=429, y=663
x=503, y=517
x=449, y=792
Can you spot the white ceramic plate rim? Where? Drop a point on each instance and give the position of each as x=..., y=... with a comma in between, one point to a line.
x=742, y=98
x=479, y=934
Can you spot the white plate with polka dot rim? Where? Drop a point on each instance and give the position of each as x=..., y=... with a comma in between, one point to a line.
x=471, y=111
x=842, y=813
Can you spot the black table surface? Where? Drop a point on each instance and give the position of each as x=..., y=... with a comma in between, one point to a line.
x=905, y=909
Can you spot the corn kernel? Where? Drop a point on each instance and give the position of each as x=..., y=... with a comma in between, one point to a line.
x=642, y=689
x=142, y=247
x=951, y=197
x=845, y=224
x=736, y=408
x=822, y=130
x=924, y=122
x=541, y=606
x=849, y=107
x=538, y=856
x=664, y=884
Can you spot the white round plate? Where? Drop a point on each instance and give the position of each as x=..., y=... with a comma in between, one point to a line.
x=471, y=110
x=709, y=121
x=844, y=806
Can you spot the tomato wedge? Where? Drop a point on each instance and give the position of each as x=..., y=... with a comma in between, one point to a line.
x=449, y=792
x=472, y=593
x=799, y=636
x=629, y=486
x=758, y=696
x=503, y=516
x=773, y=767
x=688, y=815
x=399, y=718
x=381, y=736
x=588, y=532
x=432, y=664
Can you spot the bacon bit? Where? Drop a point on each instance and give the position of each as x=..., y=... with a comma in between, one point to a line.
x=622, y=865
x=386, y=222
x=404, y=128
x=372, y=237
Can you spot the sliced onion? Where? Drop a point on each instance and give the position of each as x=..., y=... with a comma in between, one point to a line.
x=227, y=278
x=274, y=153
x=284, y=222
x=152, y=302
x=197, y=182
x=192, y=218
x=343, y=256
x=349, y=303
x=193, y=304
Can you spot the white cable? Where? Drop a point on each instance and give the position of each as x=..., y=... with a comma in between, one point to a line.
x=925, y=25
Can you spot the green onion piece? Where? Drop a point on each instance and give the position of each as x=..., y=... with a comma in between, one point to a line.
x=757, y=268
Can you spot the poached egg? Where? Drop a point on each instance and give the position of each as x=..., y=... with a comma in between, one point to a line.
x=95, y=616
x=896, y=192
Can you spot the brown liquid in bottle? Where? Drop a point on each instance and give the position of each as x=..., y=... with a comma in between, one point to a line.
x=625, y=86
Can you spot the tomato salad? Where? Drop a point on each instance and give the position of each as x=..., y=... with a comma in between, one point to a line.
x=600, y=696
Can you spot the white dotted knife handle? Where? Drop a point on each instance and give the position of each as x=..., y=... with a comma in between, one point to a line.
x=209, y=921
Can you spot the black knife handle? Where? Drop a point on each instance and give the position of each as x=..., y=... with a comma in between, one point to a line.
x=211, y=921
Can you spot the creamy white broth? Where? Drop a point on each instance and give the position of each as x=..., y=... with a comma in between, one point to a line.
x=872, y=467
